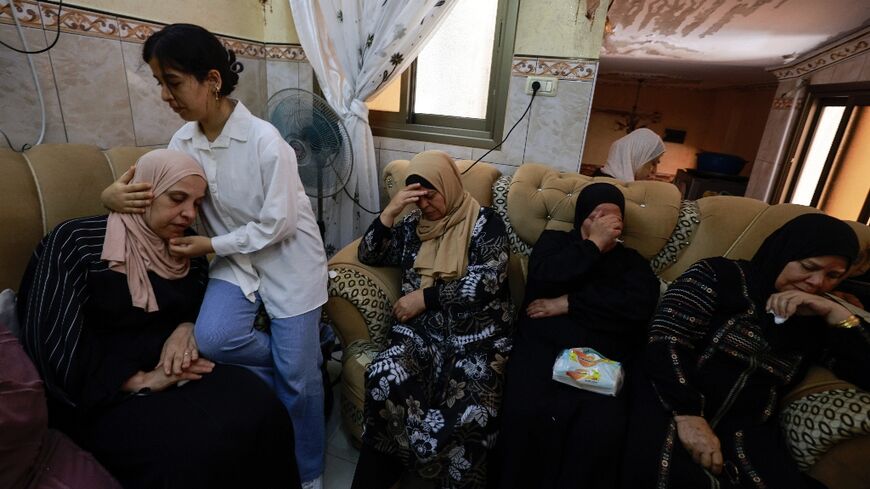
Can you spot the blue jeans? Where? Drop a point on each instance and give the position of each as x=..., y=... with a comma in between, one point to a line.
x=288, y=360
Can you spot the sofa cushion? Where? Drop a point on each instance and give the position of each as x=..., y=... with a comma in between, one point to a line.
x=123, y=157
x=69, y=178
x=21, y=219
x=816, y=422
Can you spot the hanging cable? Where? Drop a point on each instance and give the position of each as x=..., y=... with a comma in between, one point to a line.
x=39, y=95
x=38, y=51
x=535, y=87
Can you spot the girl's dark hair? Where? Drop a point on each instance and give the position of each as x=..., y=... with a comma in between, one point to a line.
x=191, y=49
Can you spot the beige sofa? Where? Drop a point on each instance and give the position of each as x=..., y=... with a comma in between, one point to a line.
x=672, y=233
x=45, y=186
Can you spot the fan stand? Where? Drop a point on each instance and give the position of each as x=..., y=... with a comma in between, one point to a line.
x=320, y=223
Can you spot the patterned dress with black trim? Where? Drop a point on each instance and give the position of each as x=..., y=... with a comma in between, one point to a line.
x=433, y=395
x=714, y=352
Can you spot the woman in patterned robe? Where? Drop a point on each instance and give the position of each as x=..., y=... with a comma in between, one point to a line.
x=433, y=395
x=718, y=362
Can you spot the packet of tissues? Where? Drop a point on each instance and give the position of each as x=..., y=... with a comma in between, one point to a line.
x=585, y=368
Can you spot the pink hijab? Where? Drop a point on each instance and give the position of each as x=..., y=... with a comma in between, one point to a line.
x=131, y=247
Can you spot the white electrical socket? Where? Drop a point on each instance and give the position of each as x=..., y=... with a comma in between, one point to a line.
x=548, y=85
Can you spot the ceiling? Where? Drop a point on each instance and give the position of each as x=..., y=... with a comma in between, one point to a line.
x=722, y=42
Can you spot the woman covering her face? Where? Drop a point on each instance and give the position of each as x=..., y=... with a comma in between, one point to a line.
x=718, y=361
x=105, y=307
x=584, y=289
x=433, y=393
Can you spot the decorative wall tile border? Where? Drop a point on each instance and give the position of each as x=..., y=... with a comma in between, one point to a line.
x=283, y=51
x=567, y=69
x=522, y=66
x=27, y=12
x=851, y=47
x=97, y=24
x=246, y=49
x=136, y=31
x=563, y=69
x=79, y=21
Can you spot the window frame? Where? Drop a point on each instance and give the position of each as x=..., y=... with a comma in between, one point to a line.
x=846, y=95
x=460, y=131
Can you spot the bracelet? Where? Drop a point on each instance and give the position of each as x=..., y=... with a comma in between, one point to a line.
x=848, y=323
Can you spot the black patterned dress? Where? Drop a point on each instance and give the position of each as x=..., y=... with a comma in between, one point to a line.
x=433, y=395
x=714, y=352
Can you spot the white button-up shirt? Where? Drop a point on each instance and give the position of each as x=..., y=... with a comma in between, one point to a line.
x=256, y=211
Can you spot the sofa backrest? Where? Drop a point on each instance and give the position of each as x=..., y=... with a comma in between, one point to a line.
x=673, y=234
x=46, y=185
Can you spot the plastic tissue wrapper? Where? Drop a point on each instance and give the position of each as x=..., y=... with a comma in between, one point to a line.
x=585, y=368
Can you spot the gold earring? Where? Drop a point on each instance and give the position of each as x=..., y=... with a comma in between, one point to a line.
x=217, y=95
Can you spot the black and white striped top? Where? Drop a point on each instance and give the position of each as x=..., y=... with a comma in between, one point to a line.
x=57, y=299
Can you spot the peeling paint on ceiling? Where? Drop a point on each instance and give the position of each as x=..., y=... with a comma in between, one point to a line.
x=707, y=38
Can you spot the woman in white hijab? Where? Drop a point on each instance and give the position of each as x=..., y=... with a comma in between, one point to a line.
x=634, y=156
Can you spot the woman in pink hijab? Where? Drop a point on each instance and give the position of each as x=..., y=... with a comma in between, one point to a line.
x=107, y=317
x=634, y=156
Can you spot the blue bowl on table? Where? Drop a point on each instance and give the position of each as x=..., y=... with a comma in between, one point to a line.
x=720, y=163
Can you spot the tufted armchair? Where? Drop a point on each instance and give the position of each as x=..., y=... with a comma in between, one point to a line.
x=671, y=233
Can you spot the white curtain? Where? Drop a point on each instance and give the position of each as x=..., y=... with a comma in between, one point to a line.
x=356, y=47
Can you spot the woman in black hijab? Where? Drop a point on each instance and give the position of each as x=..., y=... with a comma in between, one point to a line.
x=584, y=289
x=728, y=339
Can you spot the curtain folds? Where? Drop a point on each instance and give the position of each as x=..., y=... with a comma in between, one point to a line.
x=356, y=47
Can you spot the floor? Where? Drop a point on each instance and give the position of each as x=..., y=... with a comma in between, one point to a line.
x=341, y=455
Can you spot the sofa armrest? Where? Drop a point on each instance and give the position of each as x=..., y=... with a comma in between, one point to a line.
x=361, y=297
x=823, y=413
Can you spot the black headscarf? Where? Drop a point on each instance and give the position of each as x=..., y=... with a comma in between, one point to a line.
x=594, y=195
x=805, y=236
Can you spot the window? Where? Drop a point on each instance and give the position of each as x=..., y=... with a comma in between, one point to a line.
x=832, y=171
x=455, y=92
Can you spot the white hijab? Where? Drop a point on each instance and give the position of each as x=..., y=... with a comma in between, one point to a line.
x=631, y=152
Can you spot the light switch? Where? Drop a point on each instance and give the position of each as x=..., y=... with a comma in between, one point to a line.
x=548, y=85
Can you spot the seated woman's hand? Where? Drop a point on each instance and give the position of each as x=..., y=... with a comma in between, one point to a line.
x=157, y=380
x=403, y=198
x=190, y=246
x=544, y=308
x=700, y=441
x=122, y=196
x=409, y=306
x=790, y=302
x=179, y=350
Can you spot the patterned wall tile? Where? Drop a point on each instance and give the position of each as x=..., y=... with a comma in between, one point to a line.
x=581, y=70
x=80, y=21
x=251, y=89
x=26, y=11
x=154, y=122
x=280, y=75
x=557, y=127
x=286, y=52
x=306, y=76
x=93, y=90
x=20, y=116
x=136, y=30
x=523, y=66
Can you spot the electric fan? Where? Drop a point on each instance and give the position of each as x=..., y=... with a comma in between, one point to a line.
x=320, y=140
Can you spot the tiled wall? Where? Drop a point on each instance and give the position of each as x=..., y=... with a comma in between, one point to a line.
x=98, y=91
x=846, y=61
x=552, y=133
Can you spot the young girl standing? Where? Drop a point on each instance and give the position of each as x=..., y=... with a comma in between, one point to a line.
x=261, y=228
